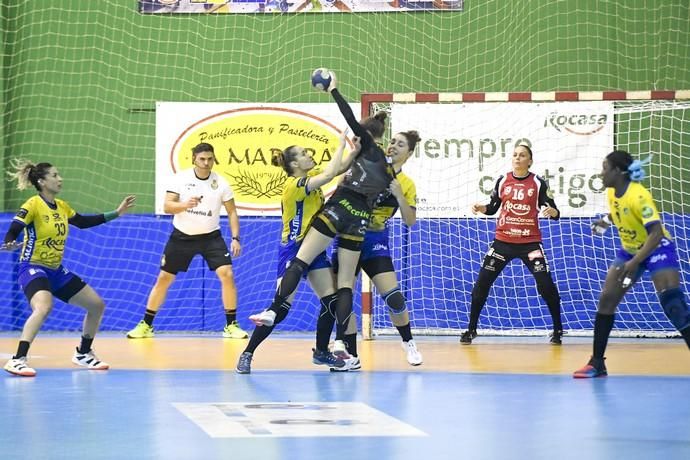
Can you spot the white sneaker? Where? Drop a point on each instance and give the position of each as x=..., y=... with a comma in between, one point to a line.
x=352, y=363
x=339, y=348
x=414, y=357
x=265, y=318
x=18, y=366
x=89, y=360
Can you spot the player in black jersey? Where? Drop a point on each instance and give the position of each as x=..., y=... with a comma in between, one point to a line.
x=345, y=214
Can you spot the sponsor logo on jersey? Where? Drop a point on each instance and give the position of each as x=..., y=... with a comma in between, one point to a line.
x=647, y=212
x=519, y=209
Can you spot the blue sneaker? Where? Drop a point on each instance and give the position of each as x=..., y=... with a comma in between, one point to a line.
x=594, y=368
x=244, y=364
x=326, y=358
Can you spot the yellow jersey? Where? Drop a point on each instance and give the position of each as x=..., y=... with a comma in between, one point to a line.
x=631, y=213
x=299, y=205
x=45, y=232
x=388, y=207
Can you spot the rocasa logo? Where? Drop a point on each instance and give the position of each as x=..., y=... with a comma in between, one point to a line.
x=519, y=209
x=245, y=140
x=580, y=124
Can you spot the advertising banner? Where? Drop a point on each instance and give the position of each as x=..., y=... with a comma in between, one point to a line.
x=465, y=148
x=244, y=137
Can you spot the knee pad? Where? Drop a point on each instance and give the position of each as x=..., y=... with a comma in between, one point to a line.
x=291, y=278
x=397, y=308
x=395, y=301
x=675, y=307
x=328, y=305
x=297, y=266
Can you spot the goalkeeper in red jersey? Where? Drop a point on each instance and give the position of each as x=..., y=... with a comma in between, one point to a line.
x=520, y=195
x=645, y=245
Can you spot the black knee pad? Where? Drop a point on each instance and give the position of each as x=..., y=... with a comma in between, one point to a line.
x=328, y=304
x=675, y=307
x=395, y=301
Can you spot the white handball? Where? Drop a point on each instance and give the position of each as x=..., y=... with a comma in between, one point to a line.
x=321, y=79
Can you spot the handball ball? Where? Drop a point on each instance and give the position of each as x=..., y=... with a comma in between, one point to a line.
x=321, y=79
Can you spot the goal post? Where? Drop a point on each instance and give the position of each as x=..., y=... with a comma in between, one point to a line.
x=466, y=142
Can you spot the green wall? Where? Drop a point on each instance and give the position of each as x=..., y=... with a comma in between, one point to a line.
x=80, y=78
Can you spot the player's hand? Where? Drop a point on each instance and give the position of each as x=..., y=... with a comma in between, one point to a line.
x=626, y=273
x=478, y=208
x=126, y=204
x=599, y=226
x=10, y=246
x=396, y=190
x=334, y=82
x=549, y=212
x=193, y=202
x=235, y=248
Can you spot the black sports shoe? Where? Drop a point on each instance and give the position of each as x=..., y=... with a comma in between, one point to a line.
x=556, y=338
x=244, y=364
x=467, y=336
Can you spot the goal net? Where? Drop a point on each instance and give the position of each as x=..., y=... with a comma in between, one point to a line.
x=467, y=142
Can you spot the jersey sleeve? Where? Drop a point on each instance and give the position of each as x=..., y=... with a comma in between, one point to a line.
x=227, y=194
x=295, y=189
x=174, y=184
x=495, y=200
x=646, y=208
x=26, y=213
x=546, y=196
x=69, y=210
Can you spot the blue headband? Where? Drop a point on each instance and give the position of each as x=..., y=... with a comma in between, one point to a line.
x=635, y=169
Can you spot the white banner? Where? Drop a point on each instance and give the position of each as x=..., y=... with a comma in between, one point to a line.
x=466, y=147
x=244, y=137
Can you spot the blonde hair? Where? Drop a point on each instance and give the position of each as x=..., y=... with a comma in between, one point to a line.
x=27, y=173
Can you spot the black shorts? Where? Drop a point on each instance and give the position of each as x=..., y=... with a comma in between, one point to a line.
x=346, y=214
x=181, y=249
x=500, y=253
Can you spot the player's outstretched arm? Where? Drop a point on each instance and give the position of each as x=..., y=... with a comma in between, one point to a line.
x=126, y=205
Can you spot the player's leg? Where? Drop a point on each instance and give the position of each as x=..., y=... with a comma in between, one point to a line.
x=611, y=295
x=534, y=258
x=382, y=273
x=321, y=280
x=348, y=257
x=261, y=333
x=494, y=262
x=316, y=241
x=217, y=256
x=177, y=256
x=36, y=287
x=76, y=292
x=665, y=270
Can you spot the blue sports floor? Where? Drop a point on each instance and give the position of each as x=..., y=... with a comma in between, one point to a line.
x=300, y=411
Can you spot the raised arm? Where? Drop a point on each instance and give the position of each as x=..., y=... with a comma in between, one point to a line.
x=333, y=168
x=80, y=221
x=346, y=110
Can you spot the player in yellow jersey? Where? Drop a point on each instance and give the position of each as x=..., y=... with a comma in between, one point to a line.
x=375, y=259
x=302, y=199
x=645, y=245
x=45, y=221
